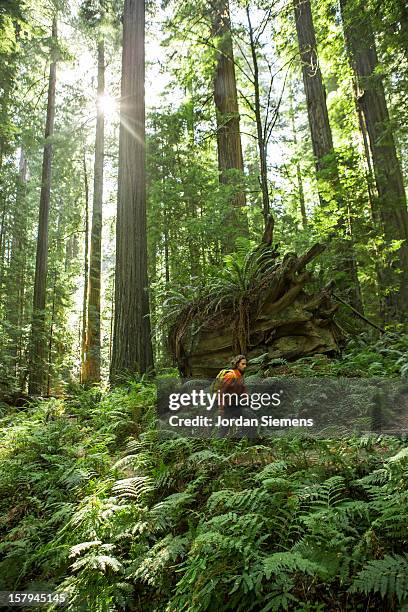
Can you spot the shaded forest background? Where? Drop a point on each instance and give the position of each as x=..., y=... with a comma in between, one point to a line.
x=294, y=109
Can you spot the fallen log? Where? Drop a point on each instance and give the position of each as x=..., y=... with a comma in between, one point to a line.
x=274, y=315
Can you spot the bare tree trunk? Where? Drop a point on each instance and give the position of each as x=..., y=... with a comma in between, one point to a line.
x=192, y=202
x=132, y=345
x=86, y=271
x=260, y=130
x=301, y=192
x=373, y=200
x=166, y=251
x=91, y=371
x=320, y=131
x=328, y=180
x=3, y=240
x=112, y=316
x=50, y=340
x=230, y=160
x=15, y=275
x=391, y=203
x=38, y=339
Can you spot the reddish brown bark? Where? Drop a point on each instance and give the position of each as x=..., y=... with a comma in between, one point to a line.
x=229, y=147
x=132, y=347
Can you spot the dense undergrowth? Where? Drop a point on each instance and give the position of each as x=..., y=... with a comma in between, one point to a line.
x=94, y=504
x=365, y=356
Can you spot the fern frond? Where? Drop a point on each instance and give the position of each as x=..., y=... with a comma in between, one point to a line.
x=247, y=500
x=401, y=456
x=136, y=487
x=97, y=562
x=387, y=576
x=79, y=548
x=166, y=513
x=324, y=495
x=291, y=562
x=153, y=565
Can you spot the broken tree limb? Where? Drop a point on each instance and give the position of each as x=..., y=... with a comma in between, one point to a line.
x=312, y=253
x=361, y=316
x=268, y=232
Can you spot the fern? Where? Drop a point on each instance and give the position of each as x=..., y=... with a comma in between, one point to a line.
x=79, y=548
x=387, y=576
x=274, y=469
x=245, y=501
x=291, y=562
x=137, y=487
x=102, y=563
x=152, y=566
x=166, y=513
x=121, y=519
x=327, y=494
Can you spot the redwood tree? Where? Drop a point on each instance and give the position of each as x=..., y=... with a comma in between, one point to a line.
x=322, y=142
x=390, y=203
x=91, y=370
x=86, y=265
x=230, y=160
x=132, y=347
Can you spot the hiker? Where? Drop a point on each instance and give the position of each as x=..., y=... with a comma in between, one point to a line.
x=232, y=383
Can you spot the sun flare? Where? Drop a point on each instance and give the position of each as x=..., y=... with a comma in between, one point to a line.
x=109, y=105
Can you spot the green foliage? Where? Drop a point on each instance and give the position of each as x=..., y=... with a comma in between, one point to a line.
x=365, y=355
x=186, y=207
x=239, y=279
x=387, y=576
x=108, y=512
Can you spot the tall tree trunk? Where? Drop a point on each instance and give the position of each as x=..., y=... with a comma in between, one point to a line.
x=38, y=339
x=132, y=345
x=230, y=160
x=51, y=334
x=112, y=317
x=86, y=270
x=260, y=129
x=3, y=240
x=166, y=242
x=301, y=192
x=391, y=204
x=91, y=371
x=318, y=116
x=328, y=181
x=192, y=201
x=9, y=76
x=373, y=200
x=15, y=276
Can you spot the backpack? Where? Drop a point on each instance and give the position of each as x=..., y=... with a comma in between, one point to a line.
x=217, y=383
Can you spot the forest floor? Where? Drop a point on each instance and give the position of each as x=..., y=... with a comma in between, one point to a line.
x=99, y=507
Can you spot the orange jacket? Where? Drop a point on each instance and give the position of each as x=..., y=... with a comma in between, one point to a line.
x=233, y=382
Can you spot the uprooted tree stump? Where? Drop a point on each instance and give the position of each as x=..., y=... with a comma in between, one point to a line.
x=274, y=315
